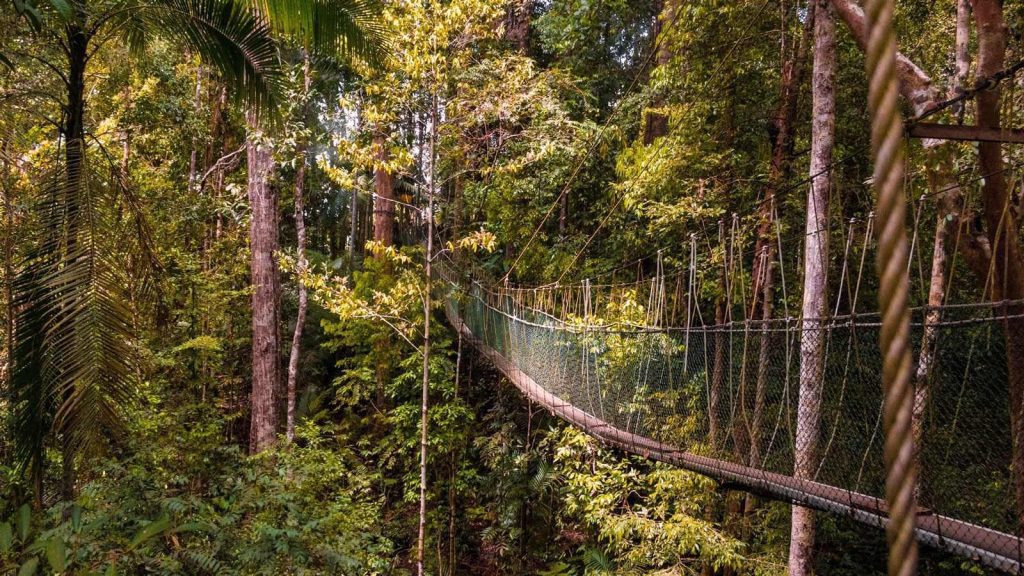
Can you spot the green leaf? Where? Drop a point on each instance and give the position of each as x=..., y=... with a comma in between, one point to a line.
x=64, y=9
x=76, y=518
x=23, y=522
x=27, y=10
x=29, y=567
x=6, y=537
x=111, y=571
x=56, y=554
x=150, y=530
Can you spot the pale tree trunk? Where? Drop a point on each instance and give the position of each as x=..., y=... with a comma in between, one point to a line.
x=1003, y=227
x=945, y=227
x=917, y=88
x=427, y=306
x=812, y=341
x=263, y=243
x=961, y=54
x=300, y=250
x=193, y=162
x=718, y=368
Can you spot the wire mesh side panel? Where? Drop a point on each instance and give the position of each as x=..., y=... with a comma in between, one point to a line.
x=732, y=393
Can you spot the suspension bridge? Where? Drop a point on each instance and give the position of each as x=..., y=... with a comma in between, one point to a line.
x=720, y=398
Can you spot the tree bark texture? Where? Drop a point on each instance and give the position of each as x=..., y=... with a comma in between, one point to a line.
x=384, y=194
x=263, y=243
x=656, y=122
x=1003, y=227
x=945, y=228
x=815, y=301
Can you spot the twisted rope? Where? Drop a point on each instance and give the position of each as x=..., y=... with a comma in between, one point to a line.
x=890, y=166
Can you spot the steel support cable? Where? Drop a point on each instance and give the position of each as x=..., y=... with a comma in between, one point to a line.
x=894, y=286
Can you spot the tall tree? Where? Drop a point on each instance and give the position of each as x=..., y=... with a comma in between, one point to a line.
x=814, y=310
x=72, y=362
x=656, y=121
x=945, y=231
x=335, y=28
x=1002, y=222
x=266, y=284
x=301, y=262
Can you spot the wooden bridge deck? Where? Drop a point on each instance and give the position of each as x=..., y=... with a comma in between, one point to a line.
x=992, y=548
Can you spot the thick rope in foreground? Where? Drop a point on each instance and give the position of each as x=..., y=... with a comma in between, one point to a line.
x=887, y=147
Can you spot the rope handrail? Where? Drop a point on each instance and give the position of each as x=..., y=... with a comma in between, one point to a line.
x=991, y=547
x=648, y=391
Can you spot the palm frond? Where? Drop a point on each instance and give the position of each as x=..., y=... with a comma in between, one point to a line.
x=337, y=28
x=227, y=34
x=73, y=362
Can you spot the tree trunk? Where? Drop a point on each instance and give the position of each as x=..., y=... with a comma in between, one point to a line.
x=656, y=122
x=814, y=310
x=300, y=249
x=517, y=28
x=263, y=243
x=945, y=228
x=427, y=307
x=8, y=189
x=961, y=55
x=384, y=194
x=1003, y=229
x=353, y=224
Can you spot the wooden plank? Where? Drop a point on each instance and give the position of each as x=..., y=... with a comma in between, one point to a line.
x=969, y=133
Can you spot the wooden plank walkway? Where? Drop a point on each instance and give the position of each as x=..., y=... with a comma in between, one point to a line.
x=992, y=548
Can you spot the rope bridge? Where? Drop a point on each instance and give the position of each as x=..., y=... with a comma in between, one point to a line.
x=721, y=399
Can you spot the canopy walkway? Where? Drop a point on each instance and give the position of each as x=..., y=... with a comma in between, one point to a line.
x=712, y=399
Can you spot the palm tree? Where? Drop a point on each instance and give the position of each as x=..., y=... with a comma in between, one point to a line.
x=72, y=360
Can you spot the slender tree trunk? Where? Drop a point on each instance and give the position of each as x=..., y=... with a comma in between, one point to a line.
x=945, y=228
x=427, y=307
x=354, y=217
x=8, y=189
x=300, y=249
x=263, y=243
x=961, y=54
x=193, y=163
x=717, y=379
x=812, y=342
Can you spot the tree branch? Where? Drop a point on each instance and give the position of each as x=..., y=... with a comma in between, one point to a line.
x=915, y=85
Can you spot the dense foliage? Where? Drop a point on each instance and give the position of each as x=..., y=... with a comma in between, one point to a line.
x=555, y=140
